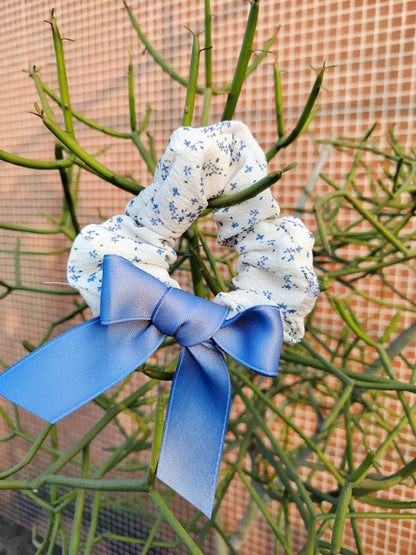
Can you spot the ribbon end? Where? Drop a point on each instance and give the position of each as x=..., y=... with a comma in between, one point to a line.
x=77, y=366
x=195, y=426
x=205, y=504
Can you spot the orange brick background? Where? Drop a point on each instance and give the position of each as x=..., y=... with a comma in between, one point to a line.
x=371, y=45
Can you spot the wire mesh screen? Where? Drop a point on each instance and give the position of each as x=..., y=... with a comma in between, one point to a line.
x=372, y=48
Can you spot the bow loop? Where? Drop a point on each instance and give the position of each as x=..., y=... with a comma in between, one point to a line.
x=128, y=293
x=254, y=338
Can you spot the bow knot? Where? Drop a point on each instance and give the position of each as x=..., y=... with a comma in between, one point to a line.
x=191, y=320
x=137, y=312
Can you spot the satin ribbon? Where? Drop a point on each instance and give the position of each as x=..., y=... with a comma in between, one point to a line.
x=137, y=313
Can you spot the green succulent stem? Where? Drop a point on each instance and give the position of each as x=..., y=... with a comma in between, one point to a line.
x=91, y=163
x=62, y=76
x=242, y=63
x=303, y=122
x=192, y=83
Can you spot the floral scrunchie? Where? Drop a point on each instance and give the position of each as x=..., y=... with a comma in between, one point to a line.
x=275, y=254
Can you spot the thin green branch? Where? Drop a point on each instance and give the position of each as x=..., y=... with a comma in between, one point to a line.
x=252, y=191
x=340, y=517
x=66, y=185
x=91, y=163
x=261, y=54
x=30, y=454
x=363, y=211
x=174, y=523
x=263, y=508
x=62, y=76
x=132, y=99
x=90, y=123
x=192, y=83
x=35, y=164
x=242, y=63
x=208, y=44
x=147, y=157
x=278, y=102
x=157, y=440
x=79, y=505
x=157, y=58
x=304, y=119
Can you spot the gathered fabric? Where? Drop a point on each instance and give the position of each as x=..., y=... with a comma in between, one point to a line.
x=274, y=265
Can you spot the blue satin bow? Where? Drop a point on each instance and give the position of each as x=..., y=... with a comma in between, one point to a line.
x=137, y=313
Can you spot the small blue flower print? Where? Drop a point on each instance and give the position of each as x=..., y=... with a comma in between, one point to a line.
x=288, y=283
x=211, y=168
x=115, y=227
x=194, y=146
x=164, y=171
x=253, y=216
x=173, y=209
x=290, y=252
x=89, y=235
x=155, y=206
x=262, y=261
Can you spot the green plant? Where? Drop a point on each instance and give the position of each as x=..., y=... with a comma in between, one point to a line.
x=344, y=378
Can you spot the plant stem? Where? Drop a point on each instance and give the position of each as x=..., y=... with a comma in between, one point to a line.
x=35, y=164
x=62, y=76
x=79, y=506
x=89, y=160
x=252, y=191
x=174, y=523
x=192, y=83
x=242, y=63
x=303, y=121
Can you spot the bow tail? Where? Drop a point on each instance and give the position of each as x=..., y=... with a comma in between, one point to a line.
x=74, y=368
x=195, y=426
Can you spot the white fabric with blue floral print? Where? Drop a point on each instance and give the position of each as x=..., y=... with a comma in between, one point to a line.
x=275, y=254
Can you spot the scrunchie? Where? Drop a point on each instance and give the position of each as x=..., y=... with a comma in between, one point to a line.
x=275, y=254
